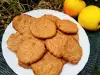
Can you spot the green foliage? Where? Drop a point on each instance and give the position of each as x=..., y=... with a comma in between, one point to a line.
x=11, y=8
x=96, y=71
x=56, y=1
x=50, y=4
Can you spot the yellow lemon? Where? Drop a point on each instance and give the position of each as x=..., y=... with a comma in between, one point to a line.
x=89, y=18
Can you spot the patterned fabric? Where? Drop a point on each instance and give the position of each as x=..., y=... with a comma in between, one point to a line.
x=94, y=59
x=4, y=68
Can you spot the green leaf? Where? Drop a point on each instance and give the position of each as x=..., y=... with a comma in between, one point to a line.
x=96, y=71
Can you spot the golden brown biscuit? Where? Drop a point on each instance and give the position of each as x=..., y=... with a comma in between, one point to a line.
x=43, y=28
x=48, y=65
x=65, y=46
x=26, y=66
x=26, y=36
x=50, y=17
x=74, y=51
x=13, y=41
x=21, y=23
x=58, y=44
x=76, y=37
x=67, y=26
x=64, y=61
x=30, y=51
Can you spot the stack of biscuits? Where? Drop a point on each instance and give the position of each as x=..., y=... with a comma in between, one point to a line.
x=44, y=44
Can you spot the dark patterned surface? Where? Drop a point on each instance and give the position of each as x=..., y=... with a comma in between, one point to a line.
x=91, y=68
x=94, y=38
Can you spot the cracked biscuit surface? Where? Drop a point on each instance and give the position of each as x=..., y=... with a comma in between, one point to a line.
x=13, y=41
x=30, y=51
x=21, y=23
x=65, y=46
x=50, y=17
x=44, y=28
x=58, y=44
x=48, y=65
x=66, y=26
x=74, y=51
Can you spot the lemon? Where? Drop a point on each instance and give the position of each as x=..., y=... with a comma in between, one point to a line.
x=89, y=18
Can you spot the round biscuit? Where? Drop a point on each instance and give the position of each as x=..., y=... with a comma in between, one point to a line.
x=66, y=26
x=50, y=17
x=30, y=51
x=48, y=65
x=43, y=28
x=57, y=45
x=21, y=23
x=13, y=41
x=74, y=51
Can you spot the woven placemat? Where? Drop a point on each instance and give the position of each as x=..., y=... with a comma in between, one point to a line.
x=93, y=65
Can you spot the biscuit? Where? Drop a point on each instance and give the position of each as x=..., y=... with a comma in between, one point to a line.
x=57, y=45
x=21, y=23
x=13, y=41
x=64, y=46
x=26, y=36
x=66, y=26
x=50, y=17
x=26, y=66
x=74, y=51
x=76, y=37
x=64, y=61
x=43, y=28
x=48, y=65
x=30, y=51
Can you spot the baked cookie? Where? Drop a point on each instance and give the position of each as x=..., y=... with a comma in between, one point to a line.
x=74, y=51
x=43, y=28
x=76, y=37
x=58, y=44
x=26, y=66
x=21, y=23
x=50, y=17
x=66, y=26
x=65, y=46
x=48, y=65
x=64, y=61
x=30, y=51
x=13, y=41
x=26, y=36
